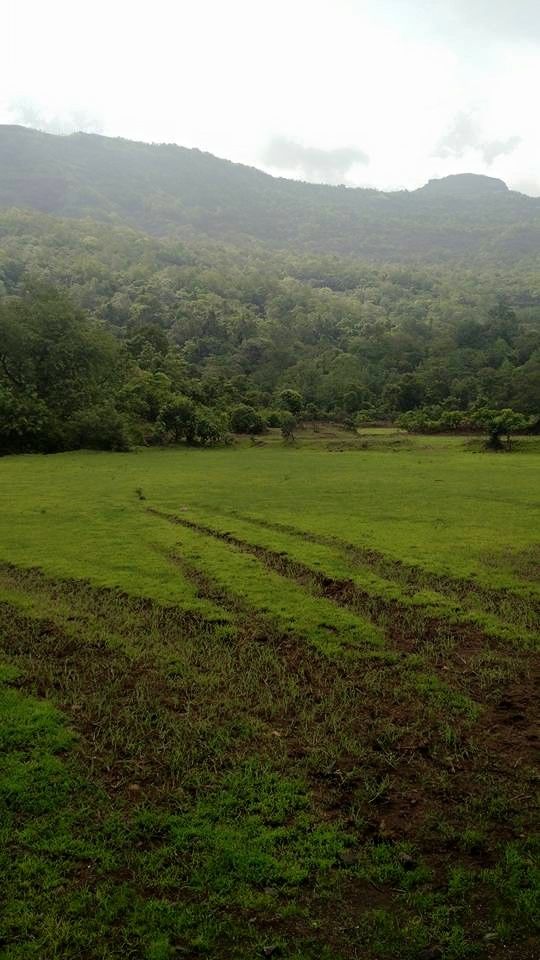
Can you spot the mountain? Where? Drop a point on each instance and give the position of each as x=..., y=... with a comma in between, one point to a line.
x=166, y=190
x=463, y=186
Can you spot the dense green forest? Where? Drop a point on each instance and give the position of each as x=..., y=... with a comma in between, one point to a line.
x=111, y=335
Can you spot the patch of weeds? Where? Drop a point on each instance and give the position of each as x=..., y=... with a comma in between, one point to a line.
x=515, y=879
x=255, y=831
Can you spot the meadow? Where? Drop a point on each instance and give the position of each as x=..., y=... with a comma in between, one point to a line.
x=270, y=700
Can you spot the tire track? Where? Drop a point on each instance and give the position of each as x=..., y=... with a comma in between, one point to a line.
x=495, y=600
x=407, y=628
x=128, y=615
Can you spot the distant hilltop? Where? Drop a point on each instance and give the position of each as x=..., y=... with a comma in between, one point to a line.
x=465, y=185
x=167, y=190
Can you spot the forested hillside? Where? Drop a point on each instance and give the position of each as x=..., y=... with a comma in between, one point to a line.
x=111, y=334
x=169, y=190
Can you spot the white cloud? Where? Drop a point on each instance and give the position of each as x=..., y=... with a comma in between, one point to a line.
x=30, y=113
x=466, y=134
x=313, y=163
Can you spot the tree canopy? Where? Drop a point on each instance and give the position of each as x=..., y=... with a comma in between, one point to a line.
x=112, y=336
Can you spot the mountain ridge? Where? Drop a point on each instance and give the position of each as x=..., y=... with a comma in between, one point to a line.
x=465, y=178
x=165, y=189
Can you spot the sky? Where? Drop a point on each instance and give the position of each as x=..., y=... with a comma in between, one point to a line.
x=379, y=93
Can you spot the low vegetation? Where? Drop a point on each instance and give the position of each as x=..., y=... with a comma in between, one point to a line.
x=276, y=718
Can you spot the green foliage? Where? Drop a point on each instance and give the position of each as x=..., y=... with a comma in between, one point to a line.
x=181, y=419
x=324, y=337
x=102, y=427
x=56, y=367
x=499, y=423
x=51, y=350
x=273, y=418
x=211, y=426
x=245, y=419
x=178, y=417
x=291, y=400
x=496, y=423
x=288, y=425
x=26, y=423
x=228, y=324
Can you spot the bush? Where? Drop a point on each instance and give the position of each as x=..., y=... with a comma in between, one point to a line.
x=495, y=423
x=273, y=418
x=499, y=423
x=312, y=412
x=27, y=424
x=178, y=419
x=245, y=419
x=100, y=428
x=210, y=427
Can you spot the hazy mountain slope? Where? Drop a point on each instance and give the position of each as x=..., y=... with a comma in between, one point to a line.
x=166, y=189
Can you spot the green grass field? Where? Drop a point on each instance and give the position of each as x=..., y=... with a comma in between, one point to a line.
x=270, y=701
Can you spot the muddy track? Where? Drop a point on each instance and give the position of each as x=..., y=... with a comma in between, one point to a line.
x=507, y=723
x=406, y=626
x=454, y=588
x=134, y=719
x=249, y=620
x=120, y=611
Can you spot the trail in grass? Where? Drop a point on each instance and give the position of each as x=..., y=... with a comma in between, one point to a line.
x=507, y=604
x=317, y=619
x=461, y=652
x=481, y=675
x=130, y=622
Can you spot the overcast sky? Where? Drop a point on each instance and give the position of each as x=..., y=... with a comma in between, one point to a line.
x=383, y=93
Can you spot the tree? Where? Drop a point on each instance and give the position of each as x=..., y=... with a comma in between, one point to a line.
x=178, y=418
x=292, y=400
x=51, y=349
x=499, y=423
x=406, y=393
x=503, y=321
x=145, y=394
x=149, y=334
x=312, y=412
x=351, y=401
x=245, y=419
x=54, y=364
x=26, y=424
x=149, y=320
x=288, y=426
x=273, y=418
x=210, y=427
x=101, y=428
